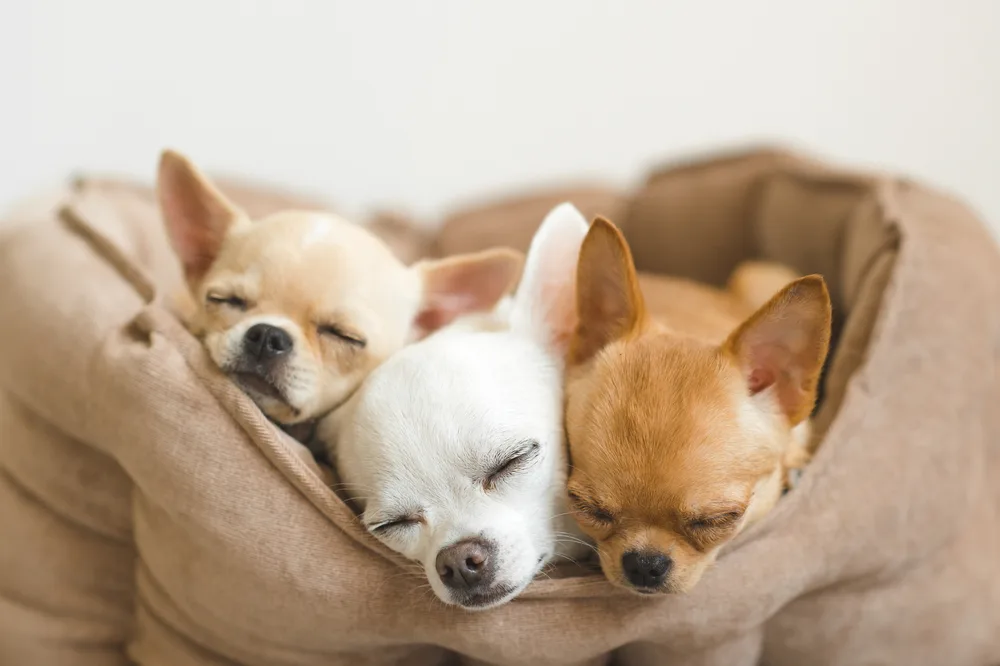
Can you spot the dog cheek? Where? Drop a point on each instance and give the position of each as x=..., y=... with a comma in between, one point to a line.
x=689, y=566
x=538, y=521
x=300, y=382
x=425, y=551
x=522, y=536
x=413, y=546
x=610, y=556
x=222, y=347
x=684, y=578
x=518, y=559
x=332, y=381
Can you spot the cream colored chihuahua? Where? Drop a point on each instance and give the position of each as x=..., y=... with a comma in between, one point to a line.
x=298, y=307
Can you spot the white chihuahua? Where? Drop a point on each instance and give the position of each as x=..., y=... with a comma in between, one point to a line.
x=454, y=447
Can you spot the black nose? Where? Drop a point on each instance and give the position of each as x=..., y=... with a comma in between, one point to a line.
x=646, y=569
x=265, y=342
x=467, y=565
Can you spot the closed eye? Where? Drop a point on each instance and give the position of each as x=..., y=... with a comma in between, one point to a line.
x=334, y=331
x=718, y=521
x=395, y=524
x=590, y=510
x=227, y=300
x=512, y=465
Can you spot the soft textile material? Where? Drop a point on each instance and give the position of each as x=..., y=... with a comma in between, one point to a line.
x=150, y=514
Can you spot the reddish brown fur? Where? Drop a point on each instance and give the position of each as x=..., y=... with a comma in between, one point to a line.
x=680, y=418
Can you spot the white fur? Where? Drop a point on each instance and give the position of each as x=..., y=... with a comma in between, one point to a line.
x=424, y=428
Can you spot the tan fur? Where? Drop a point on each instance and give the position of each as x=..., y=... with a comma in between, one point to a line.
x=685, y=408
x=755, y=282
x=307, y=272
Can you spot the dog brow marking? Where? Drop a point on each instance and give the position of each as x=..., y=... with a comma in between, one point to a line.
x=713, y=509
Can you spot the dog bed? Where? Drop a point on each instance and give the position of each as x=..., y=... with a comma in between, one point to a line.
x=150, y=514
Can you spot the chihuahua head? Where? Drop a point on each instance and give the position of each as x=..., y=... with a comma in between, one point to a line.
x=454, y=448
x=677, y=443
x=298, y=307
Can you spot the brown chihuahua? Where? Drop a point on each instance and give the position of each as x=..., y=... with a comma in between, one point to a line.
x=684, y=420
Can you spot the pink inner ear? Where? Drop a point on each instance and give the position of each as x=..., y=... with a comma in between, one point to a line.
x=783, y=345
x=767, y=366
x=441, y=313
x=463, y=285
x=443, y=308
x=197, y=225
x=197, y=248
x=427, y=321
x=759, y=379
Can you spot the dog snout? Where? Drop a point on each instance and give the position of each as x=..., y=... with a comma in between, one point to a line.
x=646, y=569
x=467, y=565
x=266, y=342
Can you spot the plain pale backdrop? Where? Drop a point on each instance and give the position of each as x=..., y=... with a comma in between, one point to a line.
x=426, y=104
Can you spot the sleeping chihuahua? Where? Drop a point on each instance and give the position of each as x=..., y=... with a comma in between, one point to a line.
x=298, y=307
x=454, y=448
x=684, y=419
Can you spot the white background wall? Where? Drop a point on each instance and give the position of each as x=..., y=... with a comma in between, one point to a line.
x=426, y=103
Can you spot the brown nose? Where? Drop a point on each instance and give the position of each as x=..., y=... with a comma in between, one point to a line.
x=265, y=342
x=467, y=565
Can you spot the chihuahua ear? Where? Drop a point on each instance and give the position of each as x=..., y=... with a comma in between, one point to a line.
x=782, y=346
x=545, y=304
x=608, y=300
x=196, y=214
x=464, y=284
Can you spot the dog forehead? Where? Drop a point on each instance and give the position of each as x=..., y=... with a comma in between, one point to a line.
x=320, y=241
x=451, y=401
x=648, y=393
x=323, y=267
x=663, y=423
x=459, y=385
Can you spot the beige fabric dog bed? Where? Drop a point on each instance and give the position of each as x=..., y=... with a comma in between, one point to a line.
x=149, y=514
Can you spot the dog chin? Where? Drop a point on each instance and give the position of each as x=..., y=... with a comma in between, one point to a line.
x=498, y=596
x=259, y=388
x=647, y=591
x=618, y=580
x=268, y=397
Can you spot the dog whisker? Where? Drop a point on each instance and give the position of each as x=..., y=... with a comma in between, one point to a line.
x=407, y=571
x=568, y=558
x=569, y=538
x=563, y=537
x=590, y=585
x=346, y=486
x=566, y=513
x=355, y=498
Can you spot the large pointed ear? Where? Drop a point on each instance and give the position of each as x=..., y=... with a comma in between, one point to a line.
x=781, y=348
x=196, y=214
x=545, y=304
x=464, y=284
x=608, y=300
